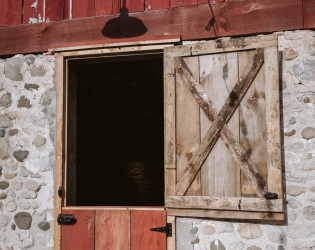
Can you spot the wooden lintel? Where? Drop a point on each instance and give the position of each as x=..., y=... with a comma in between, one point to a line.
x=191, y=22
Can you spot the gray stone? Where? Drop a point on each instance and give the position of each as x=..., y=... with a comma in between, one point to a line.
x=253, y=248
x=292, y=120
x=28, y=194
x=225, y=227
x=13, y=226
x=31, y=185
x=24, y=102
x=30, y=59
x=5, y=121
x=23, y=220
x=12, y=68
x=44, y=225
x=306, y=100
x=293, y=203
x=250, y=231
x=39, y=141
x=4, y=185
x=5, y=100
x=13, y=132
x=17, y=184
x=304, y=71
x=45, y=163
x=295, y=190
x=276, y=237
x=4, y=220
x=217, y=245
x=195, y=241
x=38, y=71
x=10, y=176
x=25, y=205
x=11, y=206
x=194, y=230
x=313, y=189
x=2, y=132
x=3, y=237
x=209, y=230
x=24, y=171
x=3, y=154
x=281, y=248
x=184, y=236
x=21, y=155
x=293, y=35
x=3, y=196
x=289, y=54
x=26, y=243
x=308, y=133
x=31, y=86
x=309, y=212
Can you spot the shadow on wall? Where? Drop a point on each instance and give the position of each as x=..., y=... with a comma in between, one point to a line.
x=124, y=26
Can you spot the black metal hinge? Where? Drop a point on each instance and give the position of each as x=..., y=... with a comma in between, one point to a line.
x=271, y=196
x=167, y=229
x=60, y=192
x=66, y=219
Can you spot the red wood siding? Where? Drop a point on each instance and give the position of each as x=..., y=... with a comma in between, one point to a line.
x=10, y=12
x=157, y=5
x=103, y=7
x=54, y=10
x=81, y=234
x=141, y=236
x=133, y=5
x=83, y=8
x=309, y=13
x=67, y=10
x=179, y=3
x=236, y=18
x=33, y=9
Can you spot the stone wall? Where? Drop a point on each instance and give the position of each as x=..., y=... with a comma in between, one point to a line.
x=298, y=107
x=27, y=131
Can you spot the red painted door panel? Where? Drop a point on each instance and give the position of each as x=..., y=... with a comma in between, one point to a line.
x=141, y=236
x=79, y=236
x=112, y=230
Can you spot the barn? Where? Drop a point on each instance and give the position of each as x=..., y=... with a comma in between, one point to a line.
x=157, y=124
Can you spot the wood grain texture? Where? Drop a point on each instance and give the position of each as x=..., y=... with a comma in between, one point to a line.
x=67, y=9
x=273, y=16
x=83, y=8
x=141, y=236
x=308, y=14
x=180, y=3
x=54, y=10
x=79, y=236
x=219, y=121
x=253, y=123
x=132, y=6
x=60, y=77
x=273, y=121
x=187, y=125
x=171, y=241
x=225, y=203
x=33, y=10
x=112, y=229
x=220, y=173
x=10, y=12
x=156, y=5
x=103, y=7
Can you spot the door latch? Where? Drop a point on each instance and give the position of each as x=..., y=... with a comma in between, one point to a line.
x=66, y=219
x=167, y=229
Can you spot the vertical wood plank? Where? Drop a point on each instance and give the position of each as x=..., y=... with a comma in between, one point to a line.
x=253, y=123
x=187, y=125
x=157, y=5
x=33, y=11
x=308, y=14
x=83, y=8
x=10, y=12
x=116, y=6
x=180, y=3
x=273, y=121
x=220, y=174
x=80, y=235
x=103, y=7
x=141, y=236
x=133, y=5
x=169, y=125
x=171, y=241
x=67, y=9
x=54, y=10
x=60, y=65
x=112, y=229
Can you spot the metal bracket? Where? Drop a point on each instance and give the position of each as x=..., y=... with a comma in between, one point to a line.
x=271, y=196
x=60, y=192
x=66, y=219
x=167, y=229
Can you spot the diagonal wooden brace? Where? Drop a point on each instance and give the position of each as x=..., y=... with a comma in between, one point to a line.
x=219, y=127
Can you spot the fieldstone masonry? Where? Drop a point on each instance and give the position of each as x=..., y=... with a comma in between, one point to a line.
x=27, y=132
x=298, y=109
x=27, y=128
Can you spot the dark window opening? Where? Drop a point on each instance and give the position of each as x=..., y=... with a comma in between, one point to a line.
x=116, y=133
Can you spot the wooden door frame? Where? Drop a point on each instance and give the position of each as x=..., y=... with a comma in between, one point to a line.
x=63, y=56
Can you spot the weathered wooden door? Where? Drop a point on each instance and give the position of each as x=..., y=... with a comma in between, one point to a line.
x=114, y=229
